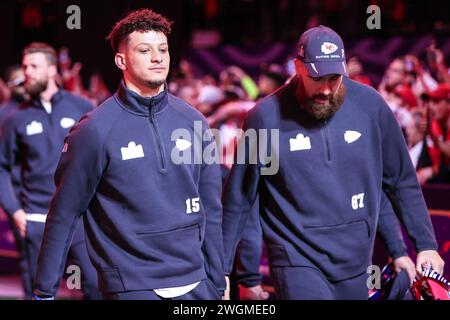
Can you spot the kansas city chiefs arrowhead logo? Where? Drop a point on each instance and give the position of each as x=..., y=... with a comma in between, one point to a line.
x=328, y=47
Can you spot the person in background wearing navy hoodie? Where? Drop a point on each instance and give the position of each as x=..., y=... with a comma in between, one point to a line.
x=15, y=79
x=32, y=138
x=154, y=224
x=338, y=150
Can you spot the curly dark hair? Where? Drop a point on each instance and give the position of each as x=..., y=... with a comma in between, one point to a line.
x=139, y=20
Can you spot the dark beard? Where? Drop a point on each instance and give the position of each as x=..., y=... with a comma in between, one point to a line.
x=322, y=111
x=35, y=89
x=155, y=83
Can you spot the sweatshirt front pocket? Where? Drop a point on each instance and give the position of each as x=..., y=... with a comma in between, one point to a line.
x=342, y=250
x=178, y=248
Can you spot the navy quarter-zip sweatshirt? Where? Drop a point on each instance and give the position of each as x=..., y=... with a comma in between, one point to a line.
x=6, y=110
x=321, y=208
x=33, y=139
x=151, y=223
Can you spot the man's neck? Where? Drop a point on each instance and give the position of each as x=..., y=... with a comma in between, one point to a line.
x=47, y=95
x=143, y=91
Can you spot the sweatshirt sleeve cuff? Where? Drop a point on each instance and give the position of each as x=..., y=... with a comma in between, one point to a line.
x=11, y=210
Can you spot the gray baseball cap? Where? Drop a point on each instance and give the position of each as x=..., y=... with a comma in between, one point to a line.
x=322, y=51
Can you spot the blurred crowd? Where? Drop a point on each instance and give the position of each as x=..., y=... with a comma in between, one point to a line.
x=418, y=93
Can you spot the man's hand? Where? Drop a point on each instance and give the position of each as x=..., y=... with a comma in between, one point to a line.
x=226, y=294
x=256, y=292
x=406, y=264
x=20, y=221
x=429, y=258
x=424, y=174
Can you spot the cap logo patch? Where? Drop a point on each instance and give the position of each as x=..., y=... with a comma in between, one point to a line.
x=328, y=47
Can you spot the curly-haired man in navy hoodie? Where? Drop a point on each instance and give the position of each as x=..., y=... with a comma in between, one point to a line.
x=153, y=226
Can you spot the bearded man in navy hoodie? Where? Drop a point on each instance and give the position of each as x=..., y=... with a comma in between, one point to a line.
x=339, y=152
x=153, y=225
x=32, y=136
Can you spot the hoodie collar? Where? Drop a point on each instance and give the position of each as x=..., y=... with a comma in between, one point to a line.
x=36, y=101
x=134, y=103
